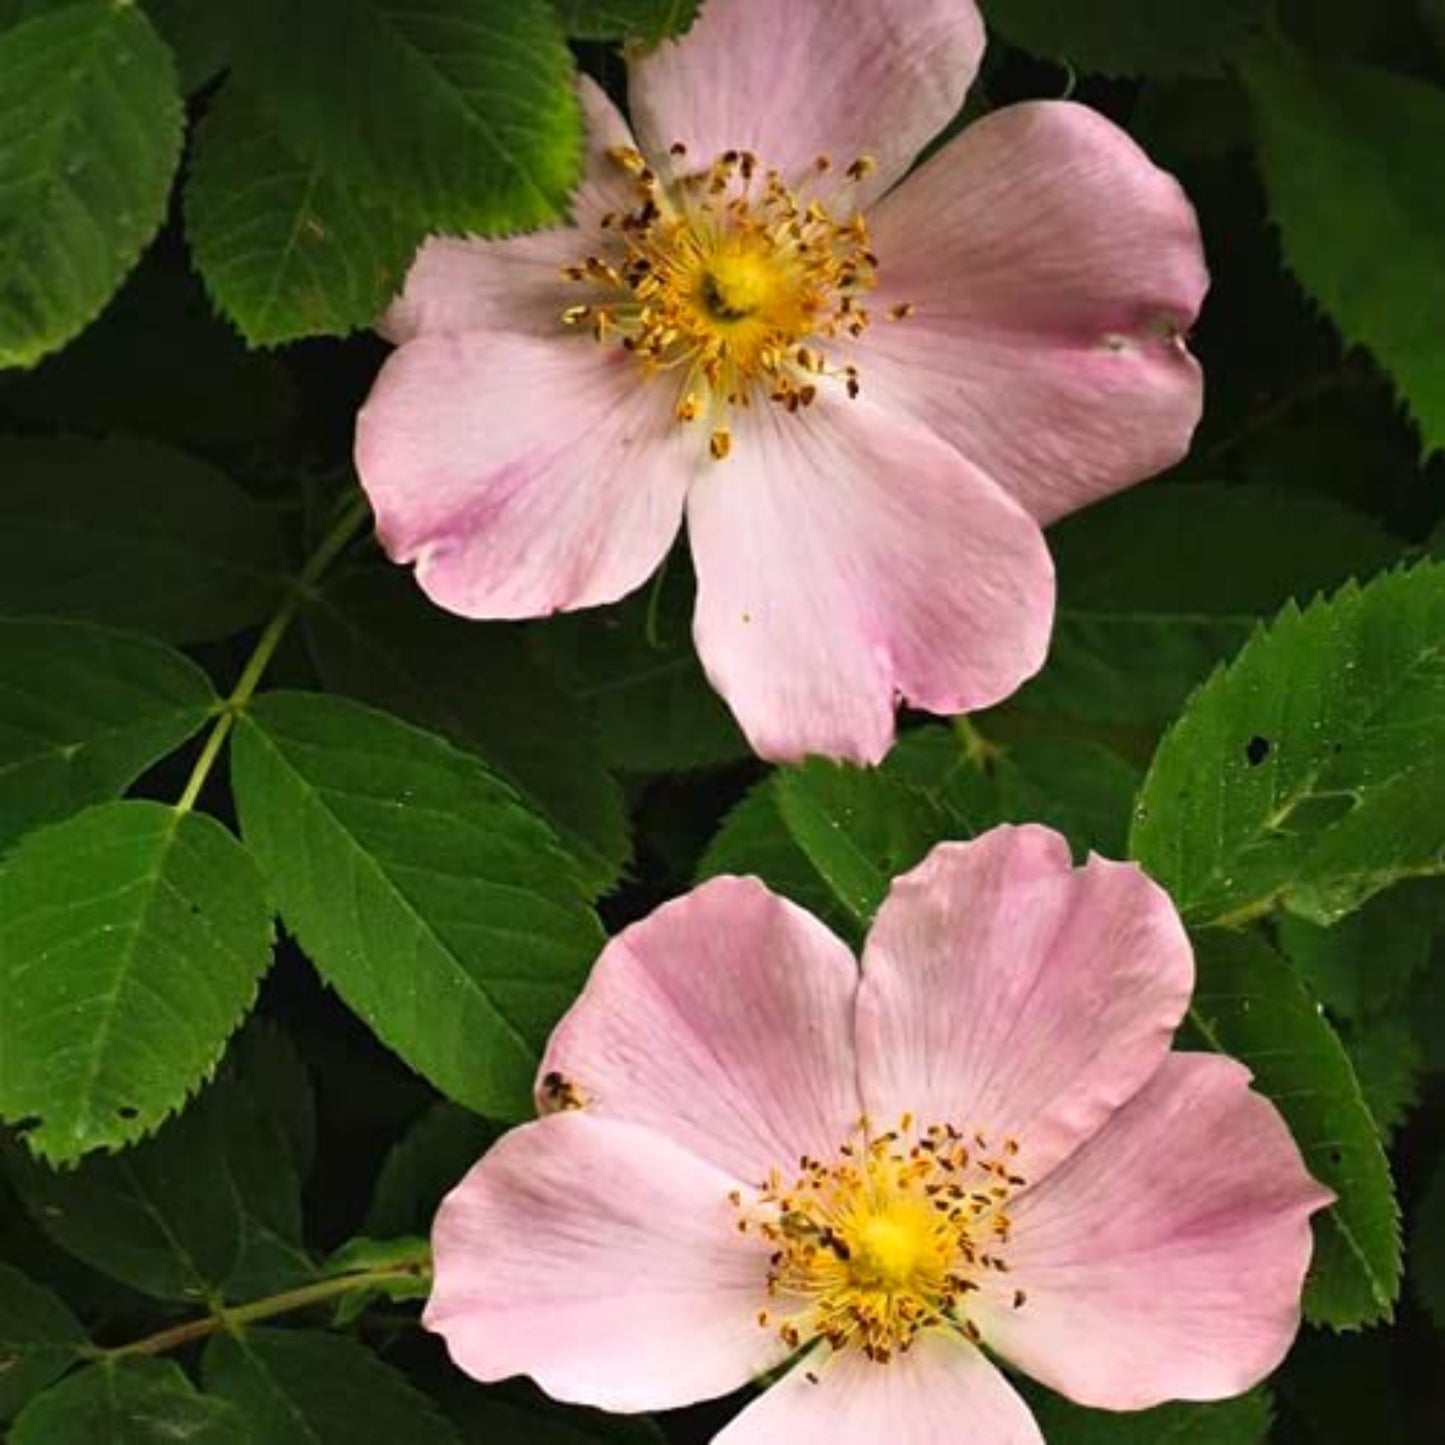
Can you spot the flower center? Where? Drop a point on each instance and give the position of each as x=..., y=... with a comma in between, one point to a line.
x=890, y=1239
x=730, y=284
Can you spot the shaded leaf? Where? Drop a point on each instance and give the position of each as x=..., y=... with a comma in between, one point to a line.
x=162, y=1217
x=1427, y=1245
x=1250, y=1004
x=132, y=941
x=423, y=1165
x=1327, y=130
x=39, y=1339
x=1145, y=610
x=375, y=636
x=285, y=249
x=84, y=711
x=635, y=670
x=1310, y=773
x=1241, y=1421
x=519, y=1411
x=133, y=1402
x=133, y=535
x=440, y=909
x=302, y=1387
x=461, y=110
x=1128, y=37
x=92, y=126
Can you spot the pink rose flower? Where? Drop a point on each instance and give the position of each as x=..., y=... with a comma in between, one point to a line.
x=758, y=1157
x=867, y=397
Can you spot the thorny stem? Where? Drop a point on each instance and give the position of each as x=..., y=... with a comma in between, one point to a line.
x=332, y=545
x=222, y=1319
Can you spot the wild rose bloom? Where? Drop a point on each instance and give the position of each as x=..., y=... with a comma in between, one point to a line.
x=867, y=397
x=979, y=1145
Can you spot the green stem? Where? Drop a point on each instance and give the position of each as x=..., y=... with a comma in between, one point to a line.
x=332, y=545
x=978, y=749
x=262, y=1309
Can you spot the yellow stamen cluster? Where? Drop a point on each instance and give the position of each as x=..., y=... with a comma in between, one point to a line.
x=729, y=282
x=888, y=1240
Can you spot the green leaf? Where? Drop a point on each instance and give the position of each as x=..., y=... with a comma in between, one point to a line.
x=441, y=910
x=1250, y=1004
x=1310, y=773
x=132, y=941
x=1146, y=612
x=285, y=249
x=134, y=1402
x=462, y=111
x=39, y=1339
x=859, y=828
x=302, y=1387
x=833, y=838
x=1084, y=790
x=84, y=711
x=1128, y=37
x=1332, y=130
x=163, y=1217
x=1241, y=1421
x=754, y=839
x=829, y=836
x=423, y=1165
x=646, y=20
x=133, y=535
x=92, y=122
x=405, y=1265
x=375, y=636
x=635, y=670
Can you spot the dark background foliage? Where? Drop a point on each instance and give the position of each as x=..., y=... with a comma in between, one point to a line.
x=219, y=706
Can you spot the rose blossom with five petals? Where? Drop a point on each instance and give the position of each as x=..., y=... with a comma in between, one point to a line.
x=865, y=397
x=755, y=1157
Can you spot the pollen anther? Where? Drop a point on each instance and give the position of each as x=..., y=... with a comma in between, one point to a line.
x=890, y=1239
x=730, y=283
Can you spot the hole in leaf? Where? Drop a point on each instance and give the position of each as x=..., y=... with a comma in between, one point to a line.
x=127, y=1111
x=1257, y=749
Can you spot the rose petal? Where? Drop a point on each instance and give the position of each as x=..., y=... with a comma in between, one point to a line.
x=605, y=1262
x=941, y=1392
x=792, y=81
x=515, y=283
x=725, y=1021
x=1005, y=990
x=845, y=558
x=522, y=476
x=1053, y=270
x=1165, y=1259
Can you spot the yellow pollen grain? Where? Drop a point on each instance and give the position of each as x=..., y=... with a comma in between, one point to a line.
x=727, y=284
x=890, y=1239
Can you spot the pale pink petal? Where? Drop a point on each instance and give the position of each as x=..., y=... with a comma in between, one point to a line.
x=604, y=1262
x=1053, y=270
x=723, y=1020
x=790, y=81
x=1165, y=1259
x=1006, y=991
x=522, y=476
x=515, y=283
x=942, y=1392
x=846, y=558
